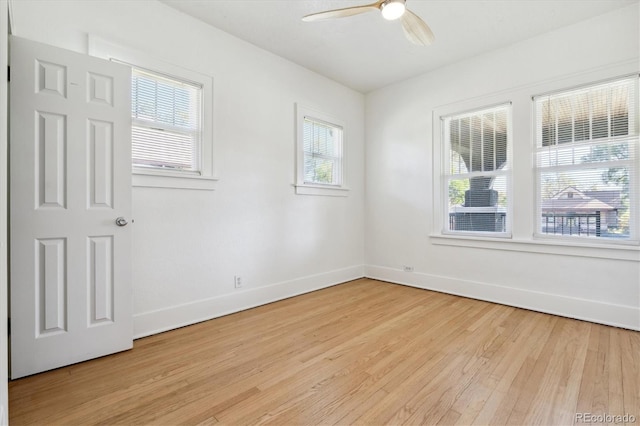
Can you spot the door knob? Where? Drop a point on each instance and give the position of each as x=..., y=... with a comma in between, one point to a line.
x=121, y=221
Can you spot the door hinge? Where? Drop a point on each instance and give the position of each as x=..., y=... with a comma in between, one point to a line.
x=9, y=326
x=8, y=73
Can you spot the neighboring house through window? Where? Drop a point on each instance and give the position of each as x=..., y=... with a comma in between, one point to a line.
x=587, y=142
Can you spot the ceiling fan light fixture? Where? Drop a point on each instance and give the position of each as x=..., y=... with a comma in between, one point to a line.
x=392, y=9
x=415, y=29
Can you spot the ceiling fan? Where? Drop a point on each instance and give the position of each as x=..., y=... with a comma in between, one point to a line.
x=415, y=29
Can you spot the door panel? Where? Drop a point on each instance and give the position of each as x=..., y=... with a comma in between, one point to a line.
x=101, y=279
x=100, y=164
x=51, y=308
x=70, y=178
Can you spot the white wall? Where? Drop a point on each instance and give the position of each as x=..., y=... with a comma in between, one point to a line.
x=189, y=244
x=597, y=284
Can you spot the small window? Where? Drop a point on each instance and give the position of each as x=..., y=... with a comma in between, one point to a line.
x=587, y=140
x=320, y=154
x=166, y=114
x=476, y=171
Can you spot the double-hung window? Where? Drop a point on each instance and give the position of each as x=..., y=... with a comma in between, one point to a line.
x=320, y=159
x=166, y=128
x=322, y=152
x=476, y=184
x=587, y=165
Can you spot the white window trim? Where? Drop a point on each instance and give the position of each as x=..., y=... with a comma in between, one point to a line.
x=440, y=162
x=302, y=187
x=524, y=238
x=542, y=246
x=206, y=179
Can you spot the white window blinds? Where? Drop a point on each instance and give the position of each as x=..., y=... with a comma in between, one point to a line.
x=476, y=180
x=587, y=142
x=322, y=145
x=166, y=122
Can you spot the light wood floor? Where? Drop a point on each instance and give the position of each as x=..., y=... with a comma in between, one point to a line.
x=364, y=352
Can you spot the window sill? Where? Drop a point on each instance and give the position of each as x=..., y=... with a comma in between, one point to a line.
x=151, y=179
x=627, y=252
x=331, y=191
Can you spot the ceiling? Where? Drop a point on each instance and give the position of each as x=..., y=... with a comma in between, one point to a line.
x=365, y=52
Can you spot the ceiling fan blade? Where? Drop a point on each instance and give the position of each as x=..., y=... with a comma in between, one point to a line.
x=416, y=30
x=341, y=13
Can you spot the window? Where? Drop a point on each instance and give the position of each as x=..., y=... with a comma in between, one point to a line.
x=320, y=154
x=166, y=122
x=476, y=171
x=172, y=120
x=564, y=166
x=587, y=142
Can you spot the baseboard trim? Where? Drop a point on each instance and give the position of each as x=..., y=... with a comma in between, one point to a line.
x=158, y=321
x=582, y=309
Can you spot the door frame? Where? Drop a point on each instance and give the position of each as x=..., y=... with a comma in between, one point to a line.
x=5, y=30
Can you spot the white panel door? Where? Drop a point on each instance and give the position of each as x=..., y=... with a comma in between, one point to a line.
x=70, y=199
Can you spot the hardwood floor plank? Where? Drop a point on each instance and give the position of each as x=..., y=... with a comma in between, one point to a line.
x=359, y=345
x=364, y=352
x=506, y=352
x=354, y=409
x=587, y=385
x=615, y=379
x=479, y=363
x=534, y=372
x=600, y=401
x=439, y=370
x=563, y=380
x=630, y=353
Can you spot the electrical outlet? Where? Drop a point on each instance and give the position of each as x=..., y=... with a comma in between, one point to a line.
x=237, y=281
x=407, y=268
